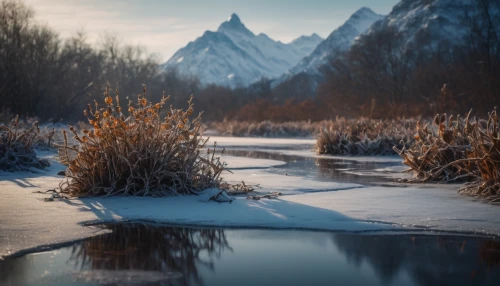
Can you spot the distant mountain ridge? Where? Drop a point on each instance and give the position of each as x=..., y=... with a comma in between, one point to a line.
x=234, y=56
x=340, y=40
x=430, y=20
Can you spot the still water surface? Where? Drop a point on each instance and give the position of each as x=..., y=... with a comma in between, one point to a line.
x=321, y=169
x=139, y=254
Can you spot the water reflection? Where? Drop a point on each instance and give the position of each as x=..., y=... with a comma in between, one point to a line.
x=11, y=268
x=161, y=249
x=152, y=255
x=490, y=253
x=323, y=169
x=430, y=260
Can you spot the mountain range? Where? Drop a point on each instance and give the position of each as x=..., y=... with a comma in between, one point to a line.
x=340, y=40
x=234, y=56
x=428, y=22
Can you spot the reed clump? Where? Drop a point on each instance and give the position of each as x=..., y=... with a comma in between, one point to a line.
x=17, y=147
x=437, y=144
x=364, y=136
x=140, y=154
x=290, y=129
x=466, y=150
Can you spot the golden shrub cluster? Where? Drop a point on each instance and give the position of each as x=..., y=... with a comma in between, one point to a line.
x=454, y=149
x=149, y=152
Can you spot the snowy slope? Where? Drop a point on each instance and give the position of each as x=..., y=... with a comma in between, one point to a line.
x=427, y=24
x=435, y=20
x=338, y=41
x=233, y=55
x=306, y=44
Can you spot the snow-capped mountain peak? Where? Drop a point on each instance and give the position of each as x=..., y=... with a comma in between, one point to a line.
x=234, y=18
x=234, y=55
x=234, y=25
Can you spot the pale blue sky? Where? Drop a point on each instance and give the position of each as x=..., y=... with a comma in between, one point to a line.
x=164, y=26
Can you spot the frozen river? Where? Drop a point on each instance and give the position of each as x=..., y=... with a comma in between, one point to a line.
x=341, y=194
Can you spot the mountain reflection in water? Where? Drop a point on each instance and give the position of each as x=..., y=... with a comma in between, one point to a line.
x=142, y=254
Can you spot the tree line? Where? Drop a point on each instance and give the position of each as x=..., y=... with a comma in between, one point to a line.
x=380, y=76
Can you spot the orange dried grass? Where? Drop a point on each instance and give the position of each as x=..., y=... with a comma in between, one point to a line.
x=465, y=150
x=139, y=155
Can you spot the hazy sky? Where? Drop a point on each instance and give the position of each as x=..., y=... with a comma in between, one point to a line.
x=164, y=26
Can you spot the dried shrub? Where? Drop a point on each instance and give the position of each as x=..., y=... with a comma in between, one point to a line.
x=436, y=145
x=364, y=136
x=139, y=155
x=464, y=150
x=17, y=147
x=483, y=158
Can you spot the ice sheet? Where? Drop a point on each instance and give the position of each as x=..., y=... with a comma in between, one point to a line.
x=434, y=207
x=259, y=142
x=234, y=162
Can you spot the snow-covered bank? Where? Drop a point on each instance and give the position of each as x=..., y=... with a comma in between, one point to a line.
x=198, y=210
x=432, y=207
x=26, y=221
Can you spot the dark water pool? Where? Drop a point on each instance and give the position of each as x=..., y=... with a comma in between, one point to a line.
x=137, y=254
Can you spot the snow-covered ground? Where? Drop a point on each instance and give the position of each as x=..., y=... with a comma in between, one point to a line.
x=26, y=221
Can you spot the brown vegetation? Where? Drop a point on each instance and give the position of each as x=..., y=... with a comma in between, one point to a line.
x=458, y=150
x=17, y=147
x=139, y=155
x=364, y=136
x=267, y=128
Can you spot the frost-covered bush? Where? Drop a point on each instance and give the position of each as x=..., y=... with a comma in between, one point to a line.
x=458, y=149
x=364, y=136
x=17, y=147
x=141, y=154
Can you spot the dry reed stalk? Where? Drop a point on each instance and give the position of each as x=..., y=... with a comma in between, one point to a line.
x=139, y=155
